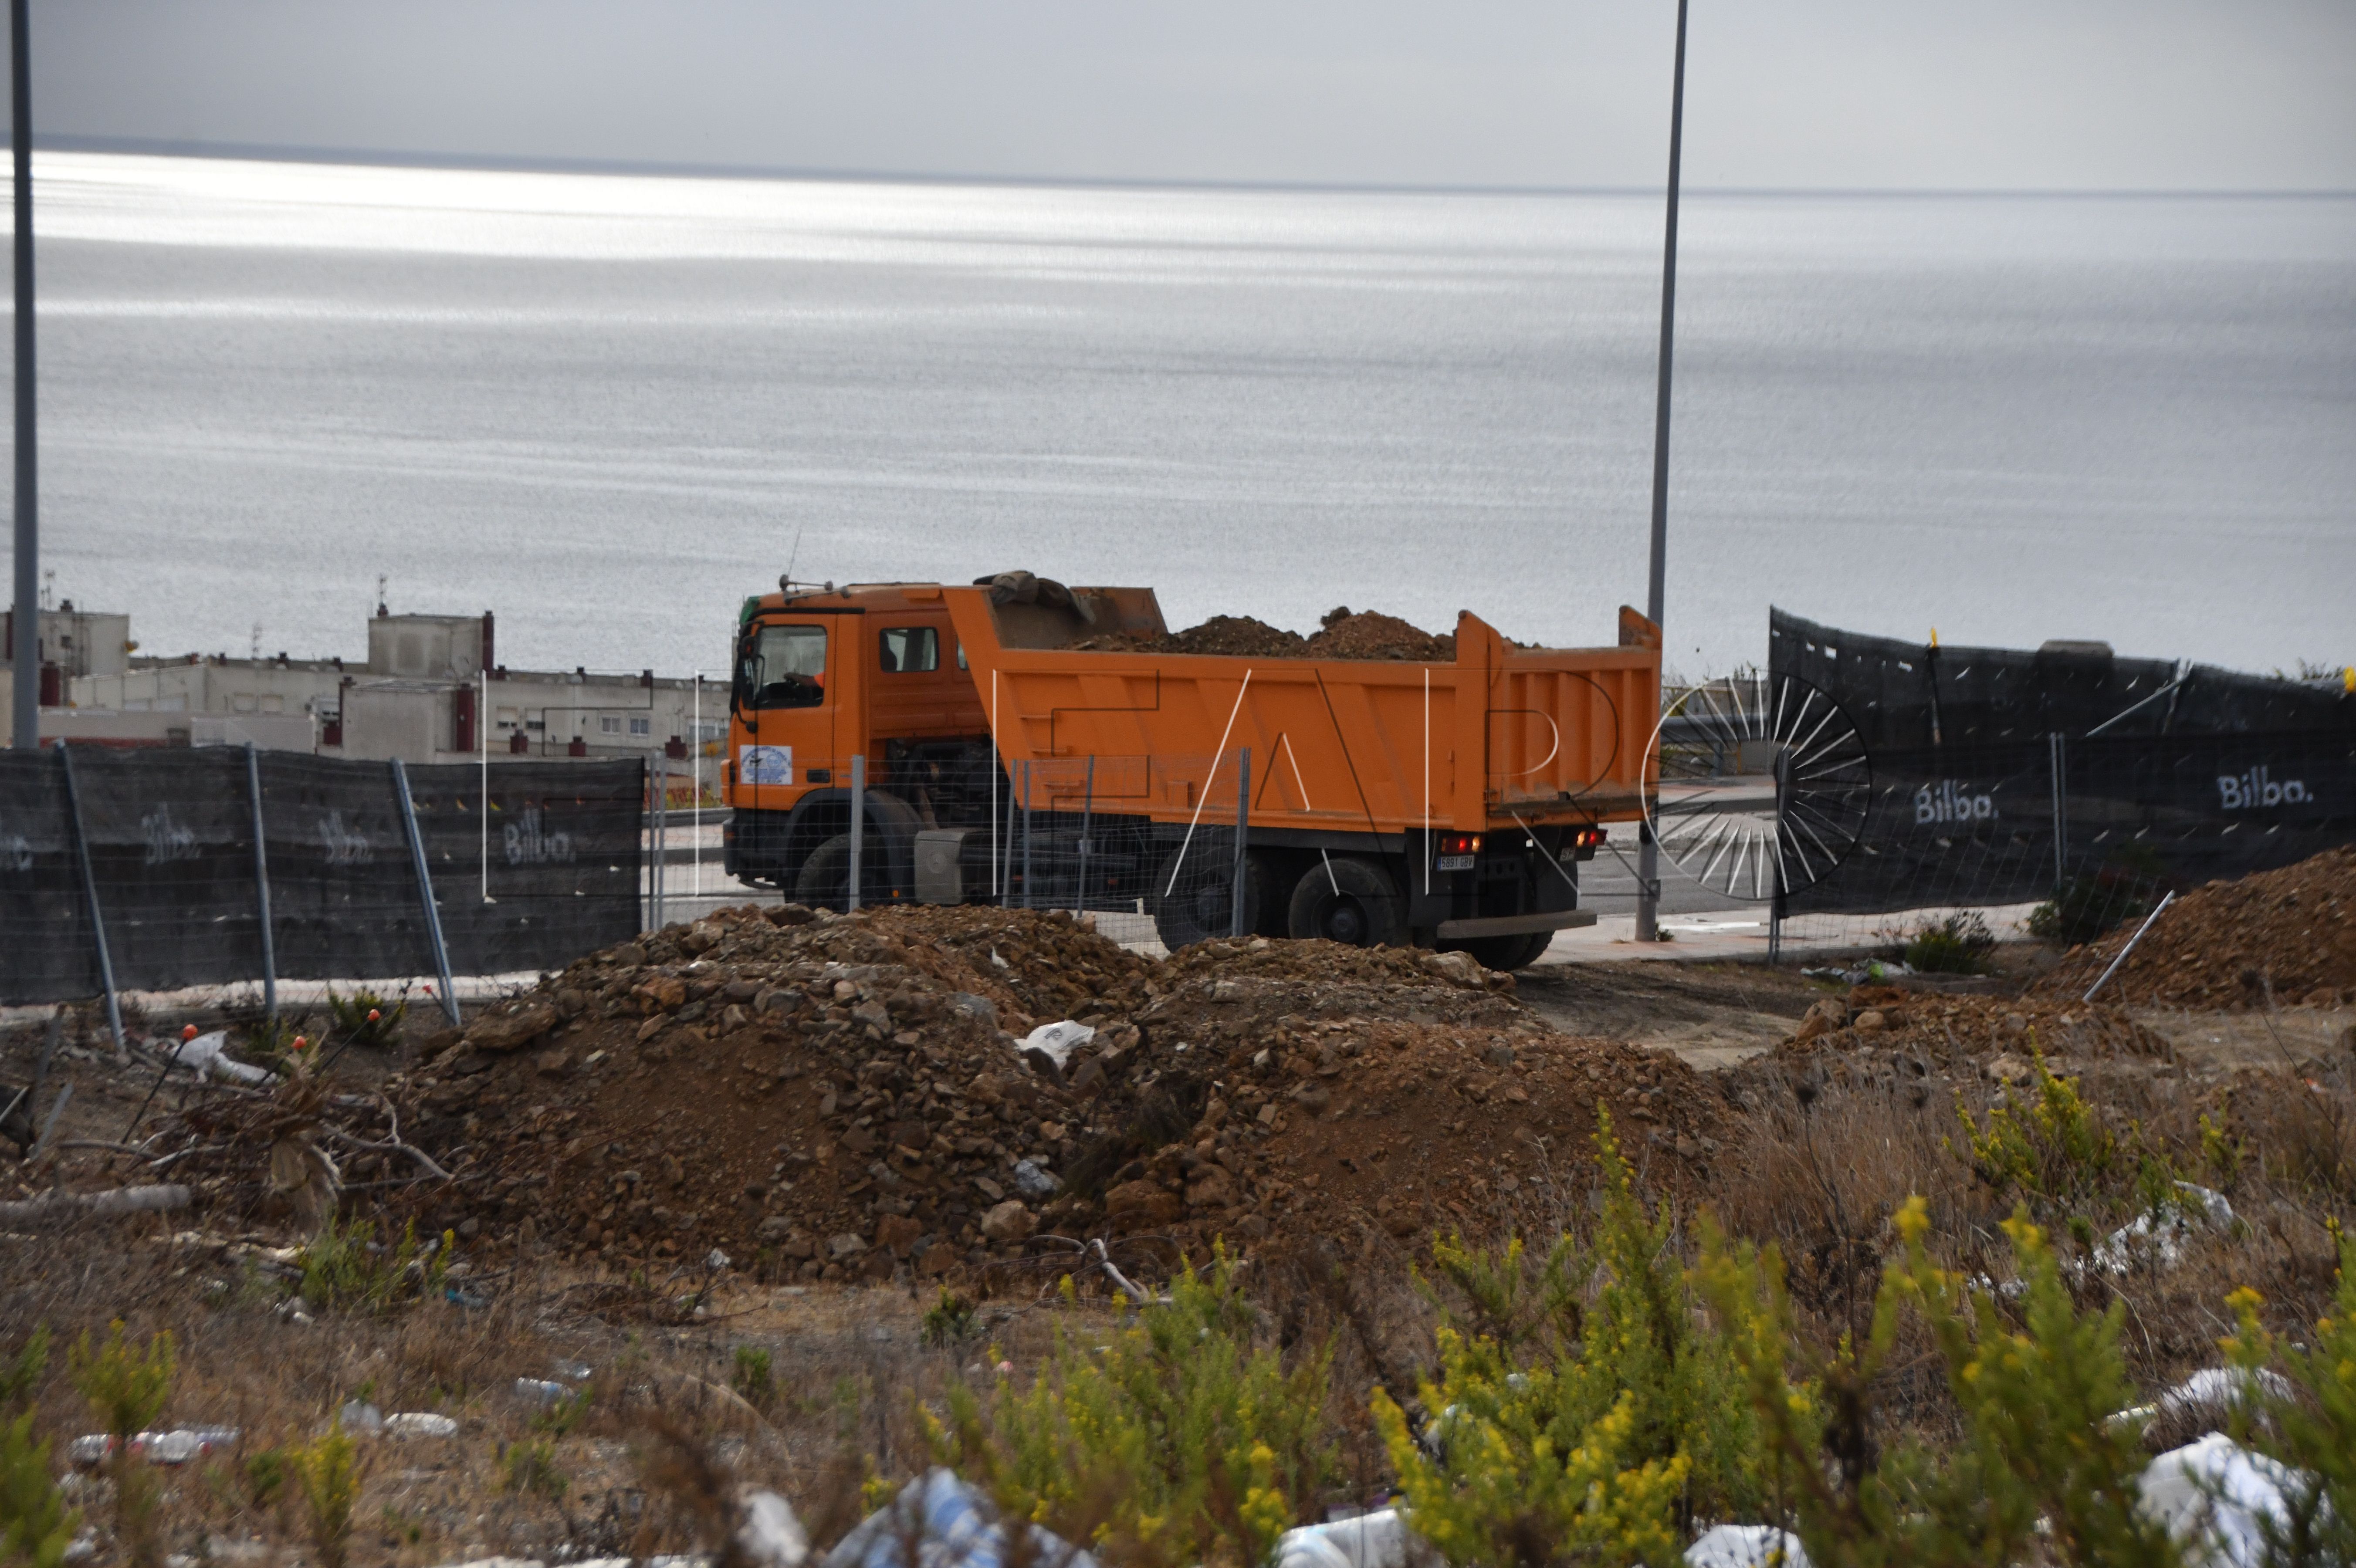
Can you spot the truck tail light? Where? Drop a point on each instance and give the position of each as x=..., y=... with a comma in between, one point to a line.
x=1455, y=851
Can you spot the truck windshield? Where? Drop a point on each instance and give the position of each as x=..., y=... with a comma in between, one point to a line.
x=788, y=667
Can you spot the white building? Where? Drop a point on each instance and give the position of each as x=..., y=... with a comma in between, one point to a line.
x=427, y=684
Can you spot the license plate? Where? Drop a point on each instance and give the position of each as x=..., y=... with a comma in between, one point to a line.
x=1453, y=863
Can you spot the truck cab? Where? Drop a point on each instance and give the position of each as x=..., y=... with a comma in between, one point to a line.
x=821, y=672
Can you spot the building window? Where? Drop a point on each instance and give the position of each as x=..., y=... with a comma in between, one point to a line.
x=910, y=650
x=642, y=726
x=609, y=724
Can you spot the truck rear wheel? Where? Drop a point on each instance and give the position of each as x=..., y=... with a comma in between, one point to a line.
x=1349, y=900
x=1202, y=903
x=824, y=880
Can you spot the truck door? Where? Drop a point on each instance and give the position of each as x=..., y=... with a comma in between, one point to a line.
x=787, y=686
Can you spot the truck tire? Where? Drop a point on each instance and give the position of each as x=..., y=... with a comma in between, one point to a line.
x=1202, y=907
x=824, y=880
x=1507, y=952
x=1355, y=904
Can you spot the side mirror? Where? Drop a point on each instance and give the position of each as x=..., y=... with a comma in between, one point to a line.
x=740, y=690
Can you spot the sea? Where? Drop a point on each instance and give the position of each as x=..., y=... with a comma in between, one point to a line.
x=610, y=406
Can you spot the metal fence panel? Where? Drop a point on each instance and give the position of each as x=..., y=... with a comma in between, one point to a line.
x=46, y=951
x=170, y=837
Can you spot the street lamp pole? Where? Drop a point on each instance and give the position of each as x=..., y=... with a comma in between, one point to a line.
x=1648, y=854
x=26, y=689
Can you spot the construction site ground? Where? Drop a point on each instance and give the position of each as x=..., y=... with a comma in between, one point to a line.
x=786, y=1130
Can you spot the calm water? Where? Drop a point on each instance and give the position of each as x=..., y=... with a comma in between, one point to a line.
x=606, y=406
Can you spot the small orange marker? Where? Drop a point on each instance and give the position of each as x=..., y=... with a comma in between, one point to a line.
x=188, y=1031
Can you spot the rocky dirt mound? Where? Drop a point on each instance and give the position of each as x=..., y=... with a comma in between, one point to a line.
x=823, y=1096
x=1341, y=636
x=1371, y=634
x=2288, y=933
x=1967, y=1033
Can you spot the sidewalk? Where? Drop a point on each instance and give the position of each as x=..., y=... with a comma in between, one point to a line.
x=1739, y=936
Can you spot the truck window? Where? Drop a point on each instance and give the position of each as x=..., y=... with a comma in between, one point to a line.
x=909, y=650
x=788, y=667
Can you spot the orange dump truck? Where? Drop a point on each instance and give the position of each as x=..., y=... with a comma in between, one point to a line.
x=1381, y=803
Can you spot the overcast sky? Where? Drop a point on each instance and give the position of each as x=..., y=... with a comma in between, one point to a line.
x=2074, y=94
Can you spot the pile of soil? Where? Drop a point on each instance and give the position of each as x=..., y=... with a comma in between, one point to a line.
x=2288, y=935
x=830, y=1097
x=1967, y=1034
x=1341, y=635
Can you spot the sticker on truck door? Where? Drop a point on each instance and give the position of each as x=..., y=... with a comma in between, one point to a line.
x=764, y=764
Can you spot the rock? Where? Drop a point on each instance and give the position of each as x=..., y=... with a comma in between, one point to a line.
x=1140, y=1206
x=898, y=1234
x=1009, y=1222
x=874, y=1015
x=1212, y=1187
x=1034, y=1181
x=2007, y=1068
x=975, y=1006
x=629, y=955
x=776, y=1228
x=1871, y=1021
x=512, y=1030
x=664, y=993
x=552, y=1063
x=845, y=1246
x=1461, y=967
x=937, y=1259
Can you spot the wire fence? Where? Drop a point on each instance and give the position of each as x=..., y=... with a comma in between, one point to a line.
x=154, y=870
x=1150, y=847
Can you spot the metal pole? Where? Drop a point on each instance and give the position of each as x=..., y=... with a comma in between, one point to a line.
x=1026, y=833
x=857, y=825
x=1775, y=908
x=483, y=748
x=695, y=776
x=661, y=837
x=261, y=885
x=1648, y=854
x=425, y=889
x=2059, y=757
x=1088, y=810
x=2103, y=977
x=26, y=687
x=89, y=890
x=1238, y=919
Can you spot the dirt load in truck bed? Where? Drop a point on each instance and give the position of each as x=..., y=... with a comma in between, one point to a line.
x=836, y=1097
x=1341, y=634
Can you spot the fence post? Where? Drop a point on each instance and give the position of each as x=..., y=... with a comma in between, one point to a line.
x=1026, y=833
x=90, y=893
x=1088, y=810
x=1235, y=926
x=2058, y=752
x=261, y=885
x=1776, y=907
x=857, y=825
x=661, y=837
x=425, y=889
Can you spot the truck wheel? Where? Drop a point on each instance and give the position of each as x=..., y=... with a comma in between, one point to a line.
x=1354, y=904
x=824, y=880
x=1202, y=905
x=1507, y=952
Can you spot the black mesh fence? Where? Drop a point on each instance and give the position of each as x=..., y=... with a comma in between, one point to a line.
x=1904, y=694
x=1984, y=825
x=531, y=865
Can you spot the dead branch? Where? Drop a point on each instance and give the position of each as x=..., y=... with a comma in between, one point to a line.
x=120, y=1200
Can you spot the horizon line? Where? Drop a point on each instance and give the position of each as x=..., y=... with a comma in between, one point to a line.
x=260, y=152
